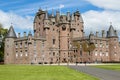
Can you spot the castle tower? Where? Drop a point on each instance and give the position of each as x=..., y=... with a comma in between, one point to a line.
x=113, y=44
x=9, y=54
x=77, y=24
x=39, y=24
x=64, y=37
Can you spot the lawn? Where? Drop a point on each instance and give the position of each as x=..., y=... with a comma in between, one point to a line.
x=110, y=67
x=33, y=72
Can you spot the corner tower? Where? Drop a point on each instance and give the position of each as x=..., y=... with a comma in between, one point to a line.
x=9, y=54
x=113, y=44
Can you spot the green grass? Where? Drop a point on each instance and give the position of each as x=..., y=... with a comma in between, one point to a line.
x=32, y=72
x=110, y=67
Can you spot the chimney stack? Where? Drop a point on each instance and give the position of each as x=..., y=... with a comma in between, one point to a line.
x=103, y=33
x=24, y=34
x=18, y=35
x=97, y=33
x=68, y=16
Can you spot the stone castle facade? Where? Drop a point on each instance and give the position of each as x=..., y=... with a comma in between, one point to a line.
x=53, y=40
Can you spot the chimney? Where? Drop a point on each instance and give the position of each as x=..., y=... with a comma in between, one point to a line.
x=103, y=33
x=52, y=13
x=18, y=35
x=68, y=16
x=97, y=33
x=116, y=32
x=24, y=34
x=57, y=16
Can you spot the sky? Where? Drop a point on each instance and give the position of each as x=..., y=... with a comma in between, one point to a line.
x=97, y=14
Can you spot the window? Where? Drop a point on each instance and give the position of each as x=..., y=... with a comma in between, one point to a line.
x=34, y=43
x=96, y=45
x=53, y=53
x=26, y=54
x=100, y=45
x=42, y=44
x=16, y=54
x=100, y=53
x=115, y=54
x=106, y=46
x=106, y=53
x=53, y=41
x=96, y=53
x=25, y=44
x=21, y=45
x=80, y=53
x=16, y=45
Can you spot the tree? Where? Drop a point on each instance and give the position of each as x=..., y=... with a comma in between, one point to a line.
x=3, y=32
x=86, y=46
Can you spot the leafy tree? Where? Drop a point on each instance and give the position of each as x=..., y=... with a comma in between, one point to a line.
x=86, y=46
x=3, y=32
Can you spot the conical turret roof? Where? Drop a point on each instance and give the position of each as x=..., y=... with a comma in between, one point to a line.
x=11, y=33
x=111, y=32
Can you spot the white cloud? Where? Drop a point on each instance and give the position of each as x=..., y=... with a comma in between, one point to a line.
x=97, y=21
x=19, y=22
x=61, y=6
x=106, y=4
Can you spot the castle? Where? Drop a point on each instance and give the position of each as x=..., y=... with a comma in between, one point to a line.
x=53, y=40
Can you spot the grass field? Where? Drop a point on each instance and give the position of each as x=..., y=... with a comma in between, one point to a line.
x=32, y=72
x=110, y=67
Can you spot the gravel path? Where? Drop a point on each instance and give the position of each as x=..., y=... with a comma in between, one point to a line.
x=102, y=74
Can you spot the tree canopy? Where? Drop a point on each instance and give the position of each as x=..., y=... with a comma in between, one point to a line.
x=3, y=32
x=86, y=46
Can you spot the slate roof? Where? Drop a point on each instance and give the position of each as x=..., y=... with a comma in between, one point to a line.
x=111, y=32
x=11, y=33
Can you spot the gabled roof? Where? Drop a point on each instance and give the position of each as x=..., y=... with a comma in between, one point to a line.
x=11, y=33
x=111, y=32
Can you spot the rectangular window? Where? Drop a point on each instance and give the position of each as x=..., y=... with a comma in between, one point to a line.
x=26, y=54
x=53, y=53
x=21, y=45
x=16, y=45
x=25, y=44
x=34, y=43
x=53, y=41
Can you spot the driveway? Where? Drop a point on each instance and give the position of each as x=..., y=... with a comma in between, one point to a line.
x=102, y=74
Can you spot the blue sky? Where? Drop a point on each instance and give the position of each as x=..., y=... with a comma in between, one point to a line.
x=97, y=14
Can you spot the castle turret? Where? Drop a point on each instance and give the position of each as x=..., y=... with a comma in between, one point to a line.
x=111, y=32
x=113, y=44
x=9, y=46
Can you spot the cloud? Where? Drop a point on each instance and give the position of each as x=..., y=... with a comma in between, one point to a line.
x=61, y=6
x=97, y=21
x=106, y=4
x=19, y=22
